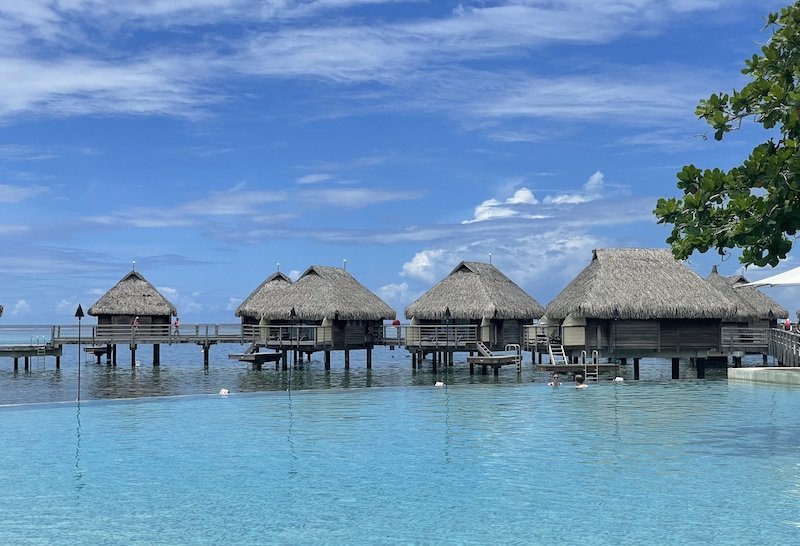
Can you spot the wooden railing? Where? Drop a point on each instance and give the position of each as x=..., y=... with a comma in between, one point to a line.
x=784, y=345
x=748, y=340
x=437, y=336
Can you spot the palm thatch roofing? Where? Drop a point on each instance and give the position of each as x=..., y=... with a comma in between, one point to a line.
x=474, y=290
x=256, y=303
x=751, y=302
x=325, y=292
x=133, y=295
x=639, y=284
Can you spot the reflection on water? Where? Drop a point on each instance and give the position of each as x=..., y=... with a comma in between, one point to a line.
x=182, y=373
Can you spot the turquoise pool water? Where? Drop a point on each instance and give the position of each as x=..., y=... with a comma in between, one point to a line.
x=655, y=462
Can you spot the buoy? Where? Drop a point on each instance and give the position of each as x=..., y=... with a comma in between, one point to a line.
x=223, y=392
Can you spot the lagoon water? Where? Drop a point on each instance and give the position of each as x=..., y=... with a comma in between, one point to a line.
x=304, y=457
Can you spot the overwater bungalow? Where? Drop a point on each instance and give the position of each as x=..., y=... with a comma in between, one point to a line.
x=754, y=308
x=254, y=307
x=638, y=303
x=133, y=307
x=474, y=303
x=326, y=309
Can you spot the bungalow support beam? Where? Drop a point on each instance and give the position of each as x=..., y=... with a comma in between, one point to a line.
x=369, y=358
x=636, y=369
x=327, y=361
x=676, y=368
x=156, y=355
x=133, y=355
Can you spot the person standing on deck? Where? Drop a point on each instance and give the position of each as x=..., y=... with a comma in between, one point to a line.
x=135, y=325
x=177, y=326
x=787, y=324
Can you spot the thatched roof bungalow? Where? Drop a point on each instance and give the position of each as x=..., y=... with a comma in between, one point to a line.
x=754, y=309
x=133, y=297
x=336, y=310
x=254, y=307
x=639, y=303
x=478, y=294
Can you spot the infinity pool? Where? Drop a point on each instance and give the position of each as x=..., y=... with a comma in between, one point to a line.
x=688, y=462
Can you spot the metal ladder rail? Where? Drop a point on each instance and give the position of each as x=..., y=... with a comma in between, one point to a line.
x=41, y=351
x=588, y=372
x=517, y=355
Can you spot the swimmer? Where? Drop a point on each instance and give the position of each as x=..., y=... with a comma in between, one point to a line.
x=554, y=382
x=579, y=384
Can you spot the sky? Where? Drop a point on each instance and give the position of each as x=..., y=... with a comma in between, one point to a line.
x=209, y=143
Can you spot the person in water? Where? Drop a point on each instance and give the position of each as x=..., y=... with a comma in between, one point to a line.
x=554, y=382
x=579, y=384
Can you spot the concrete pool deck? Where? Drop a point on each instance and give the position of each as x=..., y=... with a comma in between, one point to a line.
x=780, y=376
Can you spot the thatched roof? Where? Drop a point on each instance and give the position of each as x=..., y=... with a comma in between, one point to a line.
x=474, y=290
x=133, y=295
x=639, y=284
x=757, y=304
x=325, y=292
x=257, y=302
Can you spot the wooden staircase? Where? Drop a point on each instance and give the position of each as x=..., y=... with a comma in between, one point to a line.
x=557, y=354
x=483, y=349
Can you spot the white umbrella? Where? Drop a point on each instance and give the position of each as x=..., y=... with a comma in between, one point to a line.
x=787, y=278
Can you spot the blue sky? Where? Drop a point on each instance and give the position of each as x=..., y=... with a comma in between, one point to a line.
x=210, y=140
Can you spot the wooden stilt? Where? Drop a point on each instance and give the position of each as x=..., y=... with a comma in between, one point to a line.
x=737, y=361
x=27, y=363
x=623, y=361
x=156, y=355
x=97, y=357
x=413, y=361
x=308, y=356
x=206, y=350
x=701, y=368
x=133, y=355
x=285, y=360
x=636, y=369
x=327, y=360
x=114, y=355
x=369, y=358
x=294, y=357
x=58, y=362
x=676, y=368
x=471, y=368
x=16, y=363
x=108, y=355
x=346, y=359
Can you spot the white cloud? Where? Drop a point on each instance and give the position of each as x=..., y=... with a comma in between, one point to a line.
x=514, y=206
x=15, y=194
x=592, y=191
x=21, y=308
x=294, y=274
x=313, y=178
x=356, y=197
x=233, y=303
x=395, y=292
x=425, y=265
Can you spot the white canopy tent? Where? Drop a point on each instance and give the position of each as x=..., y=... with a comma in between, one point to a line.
x=787, y=278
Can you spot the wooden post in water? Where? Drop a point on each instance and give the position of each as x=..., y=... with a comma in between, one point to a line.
x=414, y=360
x=635, y=368
x=676, y=368
x=327, y=361
x=206, y=350
x=369, y=358
x=701, y=368
x=346, y=359
x=285, y=359
x=133, y=355
x=58, y=362
x=114, y=354
x=156, y=355
x=16, y=363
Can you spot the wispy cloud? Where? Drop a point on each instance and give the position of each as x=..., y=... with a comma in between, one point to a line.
x=15, y=194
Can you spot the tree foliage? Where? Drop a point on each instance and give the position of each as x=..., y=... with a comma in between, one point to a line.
x=756, y=205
